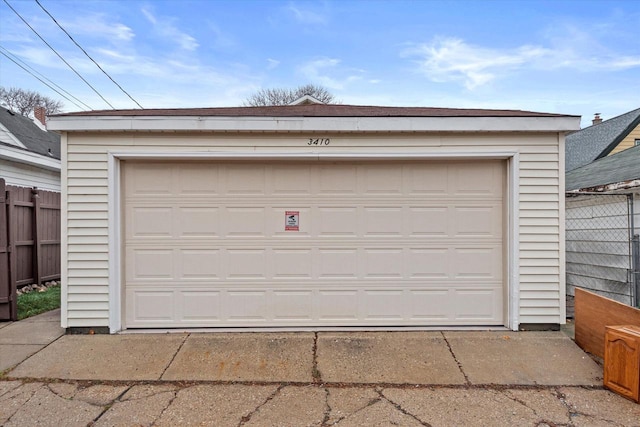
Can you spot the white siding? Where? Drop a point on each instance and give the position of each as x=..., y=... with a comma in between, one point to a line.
x=540, y=278
x=24, y=175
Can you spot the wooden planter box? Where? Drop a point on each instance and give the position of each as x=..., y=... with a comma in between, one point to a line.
x=622, y=361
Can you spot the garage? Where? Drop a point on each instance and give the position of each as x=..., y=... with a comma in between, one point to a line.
x=371, y=243
x=311, y=217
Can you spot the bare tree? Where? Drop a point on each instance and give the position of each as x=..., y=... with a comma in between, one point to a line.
x=284, y=96
x=24, y=101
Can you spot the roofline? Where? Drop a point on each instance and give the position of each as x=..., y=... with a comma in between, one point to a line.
x=21, y=155
x=619, y=138
x=488, y=123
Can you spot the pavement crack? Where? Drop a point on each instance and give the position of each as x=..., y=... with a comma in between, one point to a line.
x=401, y=409
x=175, y=396
x=110, y=405
x=33, y=393
x=245, y=419
x=174, y=355
x=327, y=409
x=315, y=372
x=466, y=378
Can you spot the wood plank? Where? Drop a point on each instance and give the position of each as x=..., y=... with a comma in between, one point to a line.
x=593, y=314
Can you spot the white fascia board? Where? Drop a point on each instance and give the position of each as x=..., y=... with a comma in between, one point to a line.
x=11, y=136
x=314, y=124
x=28, y=157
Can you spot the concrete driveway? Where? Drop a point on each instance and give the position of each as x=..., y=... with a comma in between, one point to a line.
x=325, y=378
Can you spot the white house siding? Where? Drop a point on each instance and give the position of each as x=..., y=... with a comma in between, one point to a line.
x=541, y=284
x=24, y=175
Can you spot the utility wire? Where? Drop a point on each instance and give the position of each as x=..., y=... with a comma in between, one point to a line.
x=87, y=55
x=59, y=56
x=15, y=59
x=43, y=82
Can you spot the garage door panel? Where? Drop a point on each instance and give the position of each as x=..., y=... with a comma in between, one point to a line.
x=476, y=263
x=199, y=222
x=432, y=181
x=199, y=264
x=247, y=306
x=337, y=180
x=201, y=306
x=382, y=180
x=198, y=179
x=477, y=221
x=382, y=221
x=244, y=221
x=149, y=221
x=296, y=305
x=292, y=263
x=150, y=179
x=429, y=221
x=478, y=304
x=378, y=244
x=246, y=263
x=338, y=263
x=384, y=305
x=157, y=264
x=245, y=179
x=383, y=263
x=338, y=221
x=292, y=180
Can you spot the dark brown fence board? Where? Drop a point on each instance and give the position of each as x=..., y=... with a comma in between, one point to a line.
x=593, y=313
x=29, y=241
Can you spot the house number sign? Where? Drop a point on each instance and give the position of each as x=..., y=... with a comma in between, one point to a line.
x=292, y=221
x=319, y=141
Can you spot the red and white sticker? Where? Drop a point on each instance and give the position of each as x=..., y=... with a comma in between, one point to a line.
x=292, y=221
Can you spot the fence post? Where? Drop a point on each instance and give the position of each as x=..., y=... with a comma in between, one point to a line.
x=37, y=241
x=635, y=268
x=11, y=251
x=5, y=272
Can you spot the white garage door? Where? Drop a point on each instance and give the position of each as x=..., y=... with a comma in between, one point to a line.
x=256, y=244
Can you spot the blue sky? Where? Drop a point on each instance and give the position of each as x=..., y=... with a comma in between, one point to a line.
x=565, y=56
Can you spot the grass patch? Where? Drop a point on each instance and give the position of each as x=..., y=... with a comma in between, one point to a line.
x=34, y=303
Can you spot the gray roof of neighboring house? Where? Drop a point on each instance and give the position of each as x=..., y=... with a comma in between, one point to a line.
x=619, y=167
x=35, y=139
x=586, y=145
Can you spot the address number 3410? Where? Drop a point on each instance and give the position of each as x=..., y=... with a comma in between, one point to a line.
x=319, y=141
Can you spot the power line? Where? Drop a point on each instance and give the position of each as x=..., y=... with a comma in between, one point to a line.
x=43, y=82
x=87, y=55
x=59, y=56
x=14, y=58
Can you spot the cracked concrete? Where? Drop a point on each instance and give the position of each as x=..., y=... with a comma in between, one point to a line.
x=242, y=405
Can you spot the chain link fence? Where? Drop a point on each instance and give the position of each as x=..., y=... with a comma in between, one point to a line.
x=599, y=245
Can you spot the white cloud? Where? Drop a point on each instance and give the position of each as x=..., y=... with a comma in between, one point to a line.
x=451, y=59
x=306, y=16
x=166, y=28
x=454, y=60
x=98, y=25
x=326, y=72
x=272, y=63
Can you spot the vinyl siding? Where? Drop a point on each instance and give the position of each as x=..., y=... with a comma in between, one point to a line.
x=628, y=141
x=540, y=280
x=24, y=175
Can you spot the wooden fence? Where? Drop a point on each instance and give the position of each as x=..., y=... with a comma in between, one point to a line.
x=29, y=241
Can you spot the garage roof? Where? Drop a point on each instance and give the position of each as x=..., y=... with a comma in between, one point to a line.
x=313, y=118
x=317, y=110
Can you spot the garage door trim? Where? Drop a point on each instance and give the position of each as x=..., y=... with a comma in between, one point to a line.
x=116, y=308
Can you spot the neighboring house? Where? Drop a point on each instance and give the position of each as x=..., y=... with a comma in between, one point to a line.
x=312, y=216
x=602, y=139
x=602, y=216
x=29, y=154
